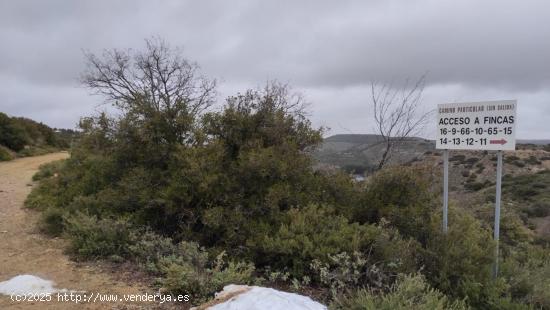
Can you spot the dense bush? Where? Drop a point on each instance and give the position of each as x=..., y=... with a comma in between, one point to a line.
x=527, y=271
x=471, y=160
x=480, y=167
x=51, y=221
x=317, y=233
x=12, y=134
x=460, y=158
x=519, y=163
x=533, y=160
x=193, y=275
x=44, y=196
x=463, y=254
x=409, y=292
x=5, y=154
x=36, y=150
x=475, y=186
x=528, y=187
x=48, y=170
x=511, y=158
x=93, y=237
x=539, y=209
x=401, y=196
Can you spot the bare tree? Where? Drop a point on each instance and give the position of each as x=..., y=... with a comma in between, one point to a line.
x=158, y=76
x=397, y=114
x=156, y=86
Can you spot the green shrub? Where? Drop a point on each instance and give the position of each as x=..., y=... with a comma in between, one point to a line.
x=5, y=154
x=401, y=195
x=474, y=186
x=48, y=170
x=31, y=138
x=539, y=209
x=459, y=263
x=148, y=250
x=458, y=158
x=526, y=269
x=471, y=160
x=543, y=241
x=43, y=196
x=192, y=274
x=344, y=272
x=518, y=163
x=512, y=229
x=533, y=160
x=13, y=134
x=37, y=150
x=409, y=292
x=480, y=167
x=317, y=232
x=527, y=187
x=51, y=221
x=91, y=237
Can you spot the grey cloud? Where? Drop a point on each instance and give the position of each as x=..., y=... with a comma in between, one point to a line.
x=331, y=50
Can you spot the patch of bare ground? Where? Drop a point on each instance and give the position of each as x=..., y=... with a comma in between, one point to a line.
x=23, y=250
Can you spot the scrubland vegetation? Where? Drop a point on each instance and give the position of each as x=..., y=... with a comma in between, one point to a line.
x=203, y=199
x=20, y=137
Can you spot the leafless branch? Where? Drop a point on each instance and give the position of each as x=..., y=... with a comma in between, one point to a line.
x=159, y=75
x=397, y=113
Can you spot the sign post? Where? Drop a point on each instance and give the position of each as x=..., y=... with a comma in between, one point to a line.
x=489, y=126
x=445, y=188
x=497, y=211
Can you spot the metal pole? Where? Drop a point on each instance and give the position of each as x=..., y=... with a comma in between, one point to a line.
x=445, y=188
x=497, y=211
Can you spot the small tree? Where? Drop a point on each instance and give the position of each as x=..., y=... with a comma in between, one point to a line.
x=397, y=114
x=258, y=149
x=154, y=84
x=160, y=95
x=12, y=134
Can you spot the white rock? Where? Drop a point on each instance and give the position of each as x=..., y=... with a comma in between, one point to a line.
x=242, y=297
x=26, y=284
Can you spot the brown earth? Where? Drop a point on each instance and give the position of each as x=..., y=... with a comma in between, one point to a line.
x=23, y=250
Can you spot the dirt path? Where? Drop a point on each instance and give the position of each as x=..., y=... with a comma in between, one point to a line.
x=23, y=250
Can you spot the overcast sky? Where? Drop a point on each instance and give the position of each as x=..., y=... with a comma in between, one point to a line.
x=329, y=50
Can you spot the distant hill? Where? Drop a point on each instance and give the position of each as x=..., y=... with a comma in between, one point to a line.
x=533, y=141
x=359, y=152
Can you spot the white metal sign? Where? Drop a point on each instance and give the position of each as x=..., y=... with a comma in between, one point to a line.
x=489, y=125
